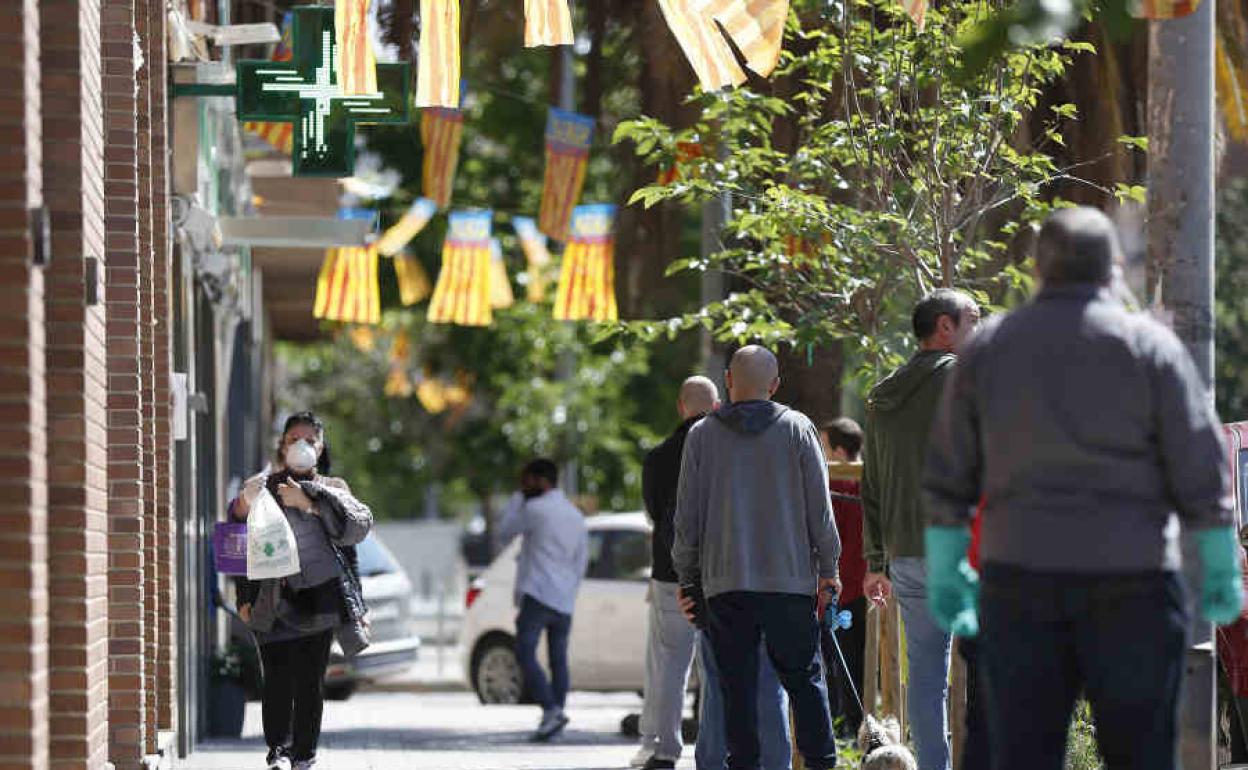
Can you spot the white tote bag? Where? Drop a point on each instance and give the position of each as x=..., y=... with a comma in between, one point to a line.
x=272, y=551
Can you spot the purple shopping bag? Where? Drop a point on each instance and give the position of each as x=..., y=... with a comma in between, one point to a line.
x=229, y=543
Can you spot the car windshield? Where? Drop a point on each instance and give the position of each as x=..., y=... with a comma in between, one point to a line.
x=374, y=560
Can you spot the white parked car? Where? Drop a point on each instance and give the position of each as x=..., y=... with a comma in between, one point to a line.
x=607, y=648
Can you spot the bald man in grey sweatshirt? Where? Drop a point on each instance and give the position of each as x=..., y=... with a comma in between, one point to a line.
x=754, y=531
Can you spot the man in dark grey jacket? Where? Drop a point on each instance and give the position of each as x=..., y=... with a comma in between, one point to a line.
x=754, y=530
x=1087, y=431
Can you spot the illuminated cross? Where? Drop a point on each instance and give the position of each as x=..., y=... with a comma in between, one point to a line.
x=304, y=91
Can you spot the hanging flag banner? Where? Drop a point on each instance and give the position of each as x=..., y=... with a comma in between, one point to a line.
x=357, y=66
x=755, y=26
x=587, y=280
x=533, y=244
x=362, y=338
x=414, y=283
x=1162, y=10
x=568, y=137
x=704, y=45
x=501, y=295
x=409, y=225
x=917, y=11
x=462, y=293
x=686, y=152
x=279, y=136
x=547, y=22
x=346, y=289
x=398, y=383
x=440, y=132
x=437, y=67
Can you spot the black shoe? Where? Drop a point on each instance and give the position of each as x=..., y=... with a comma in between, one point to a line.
x=655, y=763
x=278, y=759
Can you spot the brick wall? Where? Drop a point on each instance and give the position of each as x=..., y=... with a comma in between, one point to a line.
x=127, y=698
x=73, y=165
x=23, y=427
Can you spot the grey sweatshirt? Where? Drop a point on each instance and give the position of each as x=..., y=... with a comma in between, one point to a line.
x=1085, y=428
x=753, y=511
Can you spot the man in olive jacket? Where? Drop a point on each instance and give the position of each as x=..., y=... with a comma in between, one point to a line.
x=900, y=411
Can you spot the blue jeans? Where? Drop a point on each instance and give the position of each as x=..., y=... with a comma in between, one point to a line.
x=1120, y=639
x=789, y=631
x=534, y=618
x=927, y=655
x=711, y=752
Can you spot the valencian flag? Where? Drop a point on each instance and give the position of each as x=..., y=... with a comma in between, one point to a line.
x=346, y=289
x=755, y=26
x=1162, y=10
x=587, y=280
x=501, y=295
x=917, y=10
x=533, y=244
x=357, y=67
x=409, y=225
x=462, y=294
x=414, y=285
x=437, y=66
x=279, y=136
x=568, y=137
x=704, y=45
x=440, y=132
x=547, y=22
x=398, y=384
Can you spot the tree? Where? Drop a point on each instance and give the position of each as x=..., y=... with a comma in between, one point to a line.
x=1231, y=313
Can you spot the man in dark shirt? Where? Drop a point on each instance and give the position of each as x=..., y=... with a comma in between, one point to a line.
x=670, y=644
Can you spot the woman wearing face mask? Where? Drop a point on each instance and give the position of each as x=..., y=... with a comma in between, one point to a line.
x=296, y=618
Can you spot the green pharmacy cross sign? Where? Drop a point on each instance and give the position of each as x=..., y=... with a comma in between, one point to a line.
x=304, y=91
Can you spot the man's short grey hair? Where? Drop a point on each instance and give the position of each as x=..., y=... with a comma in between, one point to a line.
x=699, y=394
x=1077, y=245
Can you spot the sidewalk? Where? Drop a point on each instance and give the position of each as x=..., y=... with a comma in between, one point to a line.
x=438, y=669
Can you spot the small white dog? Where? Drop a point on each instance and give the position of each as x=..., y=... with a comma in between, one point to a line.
x=882, y=749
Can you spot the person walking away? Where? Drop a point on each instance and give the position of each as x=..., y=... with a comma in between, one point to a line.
x=1086, y=429
x=554, y=553
x=842, y=439
x=755, y=536
x=900, y=410
x=670, y=638
x=775, y=741
x=296, y=618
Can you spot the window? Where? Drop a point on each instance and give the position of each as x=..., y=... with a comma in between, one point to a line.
x=374, y=559
x=1242, y=479
x=599, y=565
x=630, y=555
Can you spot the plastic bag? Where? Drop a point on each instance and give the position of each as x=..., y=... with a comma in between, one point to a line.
x=272, y=551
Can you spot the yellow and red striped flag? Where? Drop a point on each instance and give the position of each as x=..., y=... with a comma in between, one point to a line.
x=704, y=45
x=756, y=26
x=1162, y=10
x=685, y=152
x=357, y=66
x=533, y=244
x=440, y=132
x=409, y=225
x=501, y=295
x=346, y=289
x=587, y=280
x=414, y=285
x=398, y=383
x=568, y=137
x=917, y=10
x=547, y=22
x=462, y=294
x=437, y=68
x=279, y=136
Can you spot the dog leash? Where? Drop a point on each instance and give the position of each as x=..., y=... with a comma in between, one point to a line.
x=840, y=654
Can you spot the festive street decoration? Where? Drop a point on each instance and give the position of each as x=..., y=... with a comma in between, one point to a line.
x=686, y=152
x=568, y=137
x=755, y=26
x=1162, y=10
x=501, y=295
x=305, y=91
x=437, y=395
x=362, y=338
x=440, y=132
x=357, y=67
x=414, y=283
x=533, y=244
x=409, y=225
x=398, y=383
x=1231, y=93
x=437, y=73
x=917, y=11
x=547, y=22
x=462, y=293
x=346, y=289
x=587, y=280
x=279, y=136
x=704, y=45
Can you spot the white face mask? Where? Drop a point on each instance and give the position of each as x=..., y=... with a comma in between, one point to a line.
x=301, y=456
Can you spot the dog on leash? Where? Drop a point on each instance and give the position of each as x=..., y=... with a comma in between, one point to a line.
x=882, y=749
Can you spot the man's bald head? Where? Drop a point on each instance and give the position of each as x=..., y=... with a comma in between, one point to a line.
x=1078, y=245
x=698, y=395
x=753, y=374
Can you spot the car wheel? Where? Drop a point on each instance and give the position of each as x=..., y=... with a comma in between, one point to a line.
x=496, y=673
x=339, y=691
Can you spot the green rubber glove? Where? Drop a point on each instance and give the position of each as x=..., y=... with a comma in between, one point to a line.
x=1222, y=588
x=952, y=585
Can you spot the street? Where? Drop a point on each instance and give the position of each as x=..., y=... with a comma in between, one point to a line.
x=439, y=731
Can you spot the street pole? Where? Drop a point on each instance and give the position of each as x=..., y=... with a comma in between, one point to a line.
x=1180, y=243
x=567, y=360
x=715, y=214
